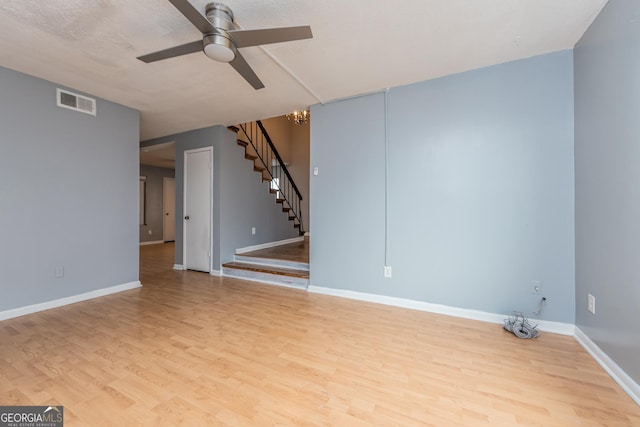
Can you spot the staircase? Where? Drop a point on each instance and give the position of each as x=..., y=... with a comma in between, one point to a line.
x=281, y=272
x=277, y=270
x=259, y=149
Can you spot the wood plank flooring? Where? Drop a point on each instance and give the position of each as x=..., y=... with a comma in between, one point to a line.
x=298, y=252
x=192, y=349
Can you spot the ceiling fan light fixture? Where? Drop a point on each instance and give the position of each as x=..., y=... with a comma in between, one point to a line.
x=219, y=48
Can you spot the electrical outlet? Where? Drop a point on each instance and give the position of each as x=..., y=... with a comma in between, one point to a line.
x=591, y=303
x=59, y=272
x=536, y=287
x=387, y=271
x=150, y=232
x=253, y=230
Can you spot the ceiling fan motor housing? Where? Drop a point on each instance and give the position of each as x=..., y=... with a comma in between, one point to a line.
x=219, y=46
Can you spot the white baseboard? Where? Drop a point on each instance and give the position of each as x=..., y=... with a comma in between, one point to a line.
x=154, y=242
x=29, y=309
x=215, y=273
x=627, y=383
x=269, y=245
x=556, y=327
x=543, y=325
x=178, y=267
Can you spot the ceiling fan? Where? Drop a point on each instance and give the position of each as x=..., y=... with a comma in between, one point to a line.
x=221, y=38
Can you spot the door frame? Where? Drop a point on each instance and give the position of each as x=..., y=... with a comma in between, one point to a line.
x=184, y=206
x=164, y=205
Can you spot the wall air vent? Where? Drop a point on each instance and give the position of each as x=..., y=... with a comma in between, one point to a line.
x=76, y=102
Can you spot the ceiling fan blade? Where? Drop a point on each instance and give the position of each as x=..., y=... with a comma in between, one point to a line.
x=192, y=14
x=242, y=67
x=183, y=49
x=246, y=38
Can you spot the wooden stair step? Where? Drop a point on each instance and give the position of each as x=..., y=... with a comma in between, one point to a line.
x=258, y=168
x=285, y=209
x=235, y=129
x=250, y=156
x=280, y=271
x=245, y=144
x=279, y=200
x=266, y=178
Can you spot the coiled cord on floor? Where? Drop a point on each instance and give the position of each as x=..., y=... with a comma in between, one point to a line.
x=519, y=325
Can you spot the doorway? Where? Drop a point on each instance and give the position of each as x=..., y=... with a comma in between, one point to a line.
x=198, y=199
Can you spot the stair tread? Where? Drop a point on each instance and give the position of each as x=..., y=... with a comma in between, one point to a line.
x=250, y=156
x=291, y=272
x=278, y=261
x=243, y=143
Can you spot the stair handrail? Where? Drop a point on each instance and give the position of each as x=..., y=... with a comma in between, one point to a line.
x=275, y=151
x=296, y=212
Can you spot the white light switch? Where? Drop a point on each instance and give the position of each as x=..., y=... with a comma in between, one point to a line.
x=315, y=171
x=253, y=230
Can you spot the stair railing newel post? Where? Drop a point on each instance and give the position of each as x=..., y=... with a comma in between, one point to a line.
x=277, y=171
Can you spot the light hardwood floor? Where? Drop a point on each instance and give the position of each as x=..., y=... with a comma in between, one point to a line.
x=298, y=251
x=191, y=349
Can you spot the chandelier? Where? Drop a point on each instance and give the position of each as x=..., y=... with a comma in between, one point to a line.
x=299, y=117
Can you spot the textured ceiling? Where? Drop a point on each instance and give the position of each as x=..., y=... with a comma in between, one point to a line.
x=359, y=46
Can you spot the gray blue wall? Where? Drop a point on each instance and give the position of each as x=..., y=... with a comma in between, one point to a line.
x=607, y=163
x=480, y=200
x=68, y=194
x=240, y=199
x=154, y=202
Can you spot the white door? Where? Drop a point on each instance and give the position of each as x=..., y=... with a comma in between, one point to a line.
x=169, y=209
x=198, y=181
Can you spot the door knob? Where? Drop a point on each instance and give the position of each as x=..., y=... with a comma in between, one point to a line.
x=186, y=217
x=167, y=213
